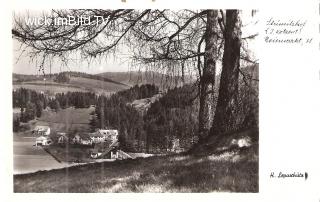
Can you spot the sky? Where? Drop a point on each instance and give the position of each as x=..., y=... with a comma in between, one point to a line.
x=23, y=65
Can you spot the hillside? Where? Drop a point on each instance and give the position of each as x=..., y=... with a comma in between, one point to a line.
x=81, y=82
x=69, y=119
x=150, y=77
x=142, y=105
x=173, y=173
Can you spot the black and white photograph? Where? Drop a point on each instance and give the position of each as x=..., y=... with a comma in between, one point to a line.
x=135, y=100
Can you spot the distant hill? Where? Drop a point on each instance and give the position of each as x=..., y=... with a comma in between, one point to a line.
x=78, y=81
x=150, y=77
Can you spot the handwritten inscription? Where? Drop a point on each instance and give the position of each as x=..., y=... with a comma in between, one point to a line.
x=286, y=32
x=284, y=175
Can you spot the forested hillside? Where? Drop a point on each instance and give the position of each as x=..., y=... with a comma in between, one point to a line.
x=161, y=80
x=170, y=124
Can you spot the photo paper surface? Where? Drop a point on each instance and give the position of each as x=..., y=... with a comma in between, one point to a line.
x=153, y=97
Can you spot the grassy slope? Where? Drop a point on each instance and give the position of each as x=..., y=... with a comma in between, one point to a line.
x=134, y=77
x=155, y=174
x=67, y=119
x=63, y=120
x=143, y=105
x=75, y=84
x=234, y=170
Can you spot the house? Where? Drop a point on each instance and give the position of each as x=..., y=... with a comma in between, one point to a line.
x=114, y=154
x=109, y=134
x=82, y=139
x=110, y=152
x=62, y=138
x=42, y=130
x=43, y=141
x=97, y=137
x=95, y=153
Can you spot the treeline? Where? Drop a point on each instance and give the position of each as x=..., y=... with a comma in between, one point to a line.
x=75, y=99
x=62, y=77
x=30, y=103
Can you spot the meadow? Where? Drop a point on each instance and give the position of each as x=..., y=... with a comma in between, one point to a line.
x=76, y=84
x=176, y=173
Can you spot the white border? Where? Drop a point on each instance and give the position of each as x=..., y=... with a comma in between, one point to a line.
x=289, y=104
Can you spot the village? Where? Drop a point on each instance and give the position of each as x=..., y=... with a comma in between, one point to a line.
x=101, y=144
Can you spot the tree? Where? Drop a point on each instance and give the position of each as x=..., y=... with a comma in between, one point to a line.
x=171, y=40
x=30, y=111
x=208, y=76
x=93, y=123
x=225, y=115
x=16, y=124
x=62, y=77
x=39, y=107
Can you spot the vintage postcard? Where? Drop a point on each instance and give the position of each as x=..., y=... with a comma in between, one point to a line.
x=143, y=97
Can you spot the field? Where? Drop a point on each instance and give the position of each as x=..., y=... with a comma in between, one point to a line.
x=67, y=119
x=178, y=173
x=76, y=84
x=28, y=158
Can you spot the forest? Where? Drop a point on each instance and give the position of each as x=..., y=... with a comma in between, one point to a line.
x=169, y=125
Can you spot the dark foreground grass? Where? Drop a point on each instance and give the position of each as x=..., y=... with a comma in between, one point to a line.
x=155, y=174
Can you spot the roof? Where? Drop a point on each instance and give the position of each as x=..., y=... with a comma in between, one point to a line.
x=84, y=136
x=42, y=138
x=108, y=132
x=41, y=128
x=116, y=144
x=95, y=134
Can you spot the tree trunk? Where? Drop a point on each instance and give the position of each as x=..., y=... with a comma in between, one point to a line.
x=207, y=78
x=102, y=115
x=225, y=114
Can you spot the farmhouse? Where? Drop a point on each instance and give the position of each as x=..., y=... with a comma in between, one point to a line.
x=62, y=138
x=97, y=137
x=82, y=138
x=43, y=140
x=109, y=134
x=42, y=130
x=110, y=152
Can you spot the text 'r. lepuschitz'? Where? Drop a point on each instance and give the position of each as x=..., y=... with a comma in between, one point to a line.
x=289, y=175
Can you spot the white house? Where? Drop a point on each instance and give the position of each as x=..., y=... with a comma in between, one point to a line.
x=97, y=137
x=82, y=138
x=42, y=141
x=42, y=130
x=109, y=134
